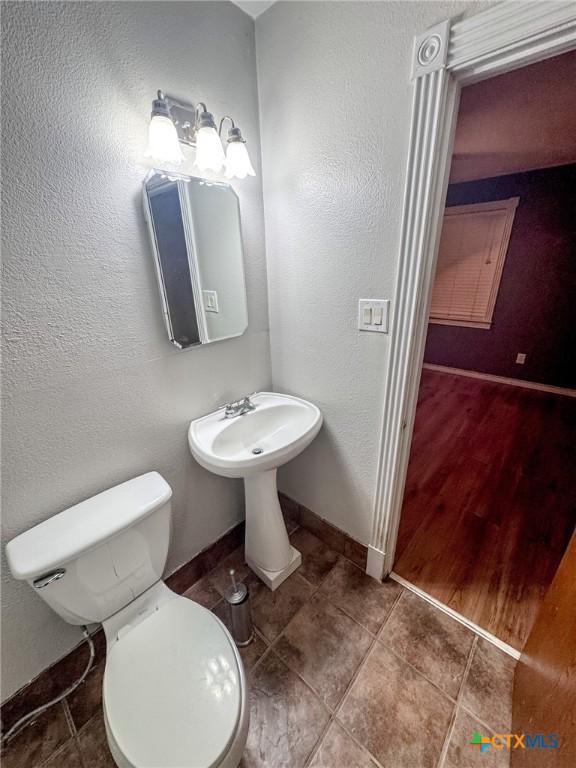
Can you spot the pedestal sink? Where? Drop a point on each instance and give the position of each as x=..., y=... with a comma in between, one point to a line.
x=253, y=446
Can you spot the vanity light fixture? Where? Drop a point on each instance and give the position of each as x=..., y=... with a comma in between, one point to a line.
x=173, y=123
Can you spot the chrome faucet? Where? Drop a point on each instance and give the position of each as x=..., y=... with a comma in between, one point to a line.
x=239, y=407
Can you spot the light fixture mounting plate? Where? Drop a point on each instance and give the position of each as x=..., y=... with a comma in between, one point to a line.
x=184, y=118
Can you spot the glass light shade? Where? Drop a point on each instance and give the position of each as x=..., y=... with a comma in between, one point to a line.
x=238, y=161
x=163, y=144
x=209, y=152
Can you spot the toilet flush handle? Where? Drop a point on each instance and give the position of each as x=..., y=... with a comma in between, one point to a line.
x=43, y=581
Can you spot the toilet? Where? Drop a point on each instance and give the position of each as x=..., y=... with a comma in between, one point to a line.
x=174, y=691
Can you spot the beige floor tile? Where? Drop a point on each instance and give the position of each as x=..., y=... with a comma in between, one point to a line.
x=94, y=744
x=338, y=750
x=488, y=687
x=38, y=741
x=437, y=645
x=317, y=558
x=204, y=593
x=462, y=754
x=252, y=653
x=365, y=599
x=67, y=757
x=86, y=701
x=271, y=611
x=400, y=717
x=325, y=647
x=286, y=717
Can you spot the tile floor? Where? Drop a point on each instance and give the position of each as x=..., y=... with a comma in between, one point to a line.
x=344, y=672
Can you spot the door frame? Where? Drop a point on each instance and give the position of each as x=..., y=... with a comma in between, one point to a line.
x=452, y=54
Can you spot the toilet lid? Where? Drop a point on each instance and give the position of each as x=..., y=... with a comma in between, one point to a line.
x=172, y=689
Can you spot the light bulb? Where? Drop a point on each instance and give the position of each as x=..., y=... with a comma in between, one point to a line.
x=163, y=142
x=238, y=161
x=209, y=152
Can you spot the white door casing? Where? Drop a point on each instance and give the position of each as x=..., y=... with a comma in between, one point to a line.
x=452, y=54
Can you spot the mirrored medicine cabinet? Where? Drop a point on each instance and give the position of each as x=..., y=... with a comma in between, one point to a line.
x=196, y=238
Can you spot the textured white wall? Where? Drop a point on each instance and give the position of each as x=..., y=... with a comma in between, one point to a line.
x=335, y=104
x=94, y=393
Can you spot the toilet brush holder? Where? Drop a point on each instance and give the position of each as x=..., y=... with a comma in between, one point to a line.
x=238, y=599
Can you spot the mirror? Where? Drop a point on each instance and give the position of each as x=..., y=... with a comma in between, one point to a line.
x=197, y=242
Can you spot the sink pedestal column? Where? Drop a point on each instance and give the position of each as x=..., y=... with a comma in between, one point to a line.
x=268, y=550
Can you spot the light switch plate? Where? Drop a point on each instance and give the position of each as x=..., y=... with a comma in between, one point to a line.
x=210, y=301
x=378, y=310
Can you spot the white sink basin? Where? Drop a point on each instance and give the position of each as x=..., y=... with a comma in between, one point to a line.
x=278, y=429
x=253, y=446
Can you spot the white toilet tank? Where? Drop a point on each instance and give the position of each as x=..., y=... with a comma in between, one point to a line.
x=96, y=557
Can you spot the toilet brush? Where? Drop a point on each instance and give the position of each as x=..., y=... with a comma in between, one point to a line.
x=238, y=599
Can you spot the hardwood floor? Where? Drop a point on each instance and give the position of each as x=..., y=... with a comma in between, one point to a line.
x=490, y=501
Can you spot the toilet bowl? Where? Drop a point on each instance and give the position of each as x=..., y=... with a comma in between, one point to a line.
x=174, y=691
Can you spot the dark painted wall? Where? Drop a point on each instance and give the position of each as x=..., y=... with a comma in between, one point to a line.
x=535, y=310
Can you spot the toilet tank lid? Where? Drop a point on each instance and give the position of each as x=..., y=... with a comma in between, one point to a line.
x=76, y=530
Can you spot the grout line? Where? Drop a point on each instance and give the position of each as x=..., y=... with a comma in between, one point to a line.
x=355, y=676
x=60, y=749
x=272, y=651
x=303, y=679
x=272, y=644
x=259, y=634
x=335, y=551
x=344, y=611
x=333, y=713
x=396, y=603
x=368, y=653
x=398, y=655
x=359, y=744
x=68, y=716
x=447, y=738
x=478, y=630
x=353, y=618
x=459, y=695
x=418, y=671
x=481, y=720
x=318, y=742
x=315, y=590
x=293, y=530
x=216, y=604
x=259, y=662
x=363, y=662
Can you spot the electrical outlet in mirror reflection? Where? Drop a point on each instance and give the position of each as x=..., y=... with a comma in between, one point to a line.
x=210, y=301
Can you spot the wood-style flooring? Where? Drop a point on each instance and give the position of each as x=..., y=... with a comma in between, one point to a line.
x=490, y=500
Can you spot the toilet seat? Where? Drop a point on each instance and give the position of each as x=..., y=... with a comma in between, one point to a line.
x=174, y=693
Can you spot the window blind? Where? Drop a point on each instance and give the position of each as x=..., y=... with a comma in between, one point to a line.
x=473, y=248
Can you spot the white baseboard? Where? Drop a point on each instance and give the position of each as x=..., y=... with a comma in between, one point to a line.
x=501, y=380
x=458, y=617
x=375, y=563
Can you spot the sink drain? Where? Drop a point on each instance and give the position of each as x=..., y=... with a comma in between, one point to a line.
x=257, y=451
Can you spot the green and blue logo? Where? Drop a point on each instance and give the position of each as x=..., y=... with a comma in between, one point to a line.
x=511, y=741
